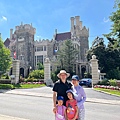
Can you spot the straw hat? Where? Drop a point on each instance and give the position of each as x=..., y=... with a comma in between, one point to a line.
x=63, y=72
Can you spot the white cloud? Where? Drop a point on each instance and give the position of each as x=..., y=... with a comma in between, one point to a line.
x=105, y=20
x=3, y=19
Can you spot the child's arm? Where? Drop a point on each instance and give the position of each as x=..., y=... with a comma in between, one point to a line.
x=65, y=114
x=76, y=114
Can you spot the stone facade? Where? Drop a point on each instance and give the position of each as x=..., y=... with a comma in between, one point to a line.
x=79, y=35
x=22, y=47
x=30, y=52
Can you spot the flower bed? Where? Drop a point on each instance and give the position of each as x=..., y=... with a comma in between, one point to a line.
x=32, y=83
x=107, y=87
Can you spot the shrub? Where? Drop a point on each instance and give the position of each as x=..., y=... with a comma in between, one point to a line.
x=113, y=82
x=54, y=77
x=7, y=77
x=103, y=82
x=87, y=75
x=114, y=74
x=37, y=74
x=6, y=86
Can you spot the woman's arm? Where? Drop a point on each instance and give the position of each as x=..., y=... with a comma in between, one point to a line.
x=83, y=97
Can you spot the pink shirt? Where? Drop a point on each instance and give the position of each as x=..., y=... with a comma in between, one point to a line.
x=60, y=115
x=71, y=109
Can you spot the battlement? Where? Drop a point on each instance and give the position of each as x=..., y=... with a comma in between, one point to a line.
x=77, y=28
x=43, y=42
x=25, y=28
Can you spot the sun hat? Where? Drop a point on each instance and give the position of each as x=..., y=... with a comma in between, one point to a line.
x=75, y=77
x=60, y=98
x=70, y=91
x=63, y=71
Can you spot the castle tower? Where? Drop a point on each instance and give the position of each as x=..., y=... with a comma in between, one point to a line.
x=25, y=47
x=80, y=34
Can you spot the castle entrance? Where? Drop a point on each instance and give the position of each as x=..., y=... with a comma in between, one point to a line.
x=22, y=72
x=83, y=69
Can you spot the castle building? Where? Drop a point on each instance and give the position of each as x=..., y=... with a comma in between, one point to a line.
x=21, y=45
x=79, y=35
x=24, y=48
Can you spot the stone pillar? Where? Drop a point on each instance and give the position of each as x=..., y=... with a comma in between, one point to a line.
x=95, y=74
x=16, y=72
x=47, y=73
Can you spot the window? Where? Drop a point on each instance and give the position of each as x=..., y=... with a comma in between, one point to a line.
x=40, y=48
x=40, y=59
x=44, y=48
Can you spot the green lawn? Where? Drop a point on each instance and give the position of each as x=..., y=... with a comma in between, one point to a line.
x=10, y=86
x=113, y=92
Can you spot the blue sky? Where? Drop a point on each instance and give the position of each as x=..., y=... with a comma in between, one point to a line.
x=48, y=15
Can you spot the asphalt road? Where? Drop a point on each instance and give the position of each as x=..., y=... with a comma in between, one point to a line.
x=34, y=107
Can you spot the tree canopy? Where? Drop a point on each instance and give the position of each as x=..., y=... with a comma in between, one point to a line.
x=67, y=56
x=109, y=56
x=5, y=59
x=114, y=35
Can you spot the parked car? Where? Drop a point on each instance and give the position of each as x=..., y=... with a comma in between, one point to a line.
x=86, y=82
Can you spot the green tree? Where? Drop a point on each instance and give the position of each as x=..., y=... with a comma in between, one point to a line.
x=108, y=58
x=67, y=56
x=99, y=49
x=114, y=35
x=40, y=66
x=5, y=59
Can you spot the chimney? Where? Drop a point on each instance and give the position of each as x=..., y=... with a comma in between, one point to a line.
x=11, y=32
x=77, y=20
x=72, y=24
x=55, y=31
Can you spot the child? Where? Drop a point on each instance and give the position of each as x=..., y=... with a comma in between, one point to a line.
x=71, y=104
x=60, y=113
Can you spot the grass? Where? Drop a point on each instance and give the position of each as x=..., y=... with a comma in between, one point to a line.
x=21, y=86
x=113, y=92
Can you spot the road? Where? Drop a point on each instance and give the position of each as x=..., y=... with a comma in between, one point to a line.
x=34, y=107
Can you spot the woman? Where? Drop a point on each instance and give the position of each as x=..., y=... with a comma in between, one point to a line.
x=80, y=96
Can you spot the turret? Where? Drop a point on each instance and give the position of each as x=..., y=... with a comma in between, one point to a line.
x=11, y=32
x=77, y=20
x=72, y=24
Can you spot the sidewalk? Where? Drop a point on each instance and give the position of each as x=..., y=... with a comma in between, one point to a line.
x=5, y=117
